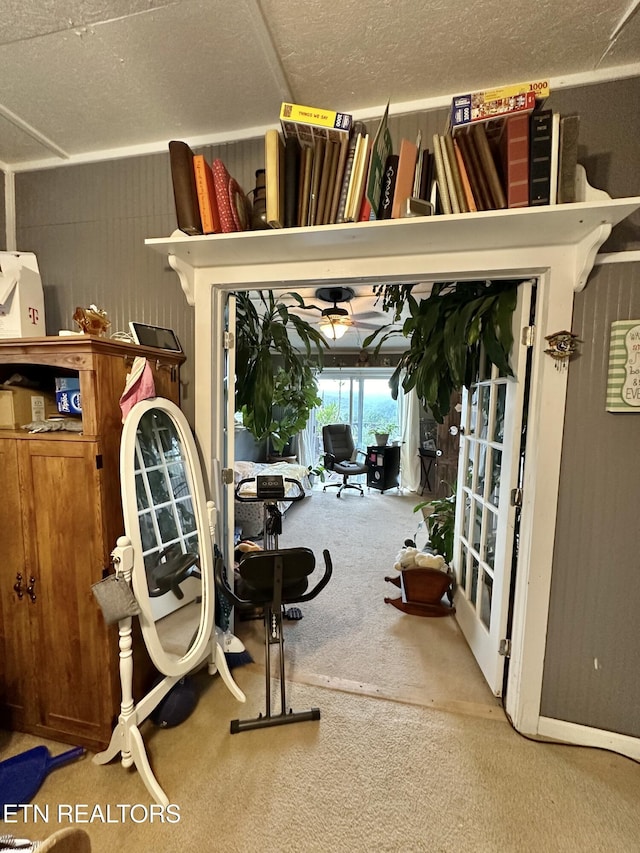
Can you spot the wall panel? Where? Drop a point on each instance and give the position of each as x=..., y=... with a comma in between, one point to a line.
x=593, y=643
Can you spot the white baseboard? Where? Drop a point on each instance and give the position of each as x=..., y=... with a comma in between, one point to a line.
x=586, y=736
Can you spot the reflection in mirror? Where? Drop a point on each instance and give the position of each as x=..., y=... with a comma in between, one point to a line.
x=168, y=532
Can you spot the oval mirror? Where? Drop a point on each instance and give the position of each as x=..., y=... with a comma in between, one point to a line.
x=166, y=519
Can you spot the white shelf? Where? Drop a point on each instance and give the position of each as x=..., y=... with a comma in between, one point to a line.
x=501, y=230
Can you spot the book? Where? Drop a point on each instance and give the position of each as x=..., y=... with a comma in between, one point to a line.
x=310, y=123
x=417, y=175
x=568, y=158
x=487, y=104
x=464, y=178
x=306, y=168
x=292, y=154
x=185, y=192
x=358, y=129
x=207, y=204
x=329, y=149
x=458, y=199
x=555, y=148
x=274, y=178
x=477, y=179
x=404, y=180
x=514, y=150
x=233, y=205
x=316, y=171
x=540, y=149
x=337, y=186
x=388, y=187
x=381, y=148
x=426, y=175
x=488, y=165
x=356, y=183
x=441, y=177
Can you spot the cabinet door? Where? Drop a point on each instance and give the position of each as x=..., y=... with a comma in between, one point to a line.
x=64, y=551
x=15, y=611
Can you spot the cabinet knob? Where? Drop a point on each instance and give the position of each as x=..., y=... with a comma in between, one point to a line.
x=18, y=588
x=31, y=589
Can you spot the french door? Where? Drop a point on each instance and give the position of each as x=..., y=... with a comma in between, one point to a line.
x=488, y=475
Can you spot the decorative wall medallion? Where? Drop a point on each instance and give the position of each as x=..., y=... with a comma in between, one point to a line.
x=562, y=345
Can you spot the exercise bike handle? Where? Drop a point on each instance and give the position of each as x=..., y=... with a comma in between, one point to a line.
x=297, y=496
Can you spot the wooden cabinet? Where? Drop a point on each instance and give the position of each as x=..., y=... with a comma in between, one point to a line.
x=61, y=516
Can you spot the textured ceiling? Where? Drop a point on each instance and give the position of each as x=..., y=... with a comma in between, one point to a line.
x=86, y=79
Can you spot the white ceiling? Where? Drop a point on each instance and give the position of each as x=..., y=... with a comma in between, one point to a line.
x=83, y=79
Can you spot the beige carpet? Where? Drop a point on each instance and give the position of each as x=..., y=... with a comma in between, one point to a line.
x=412, y=752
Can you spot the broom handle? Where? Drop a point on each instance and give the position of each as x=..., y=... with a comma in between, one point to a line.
x=64, y=757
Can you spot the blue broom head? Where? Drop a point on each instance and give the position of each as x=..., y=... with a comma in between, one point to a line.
x=177, y=705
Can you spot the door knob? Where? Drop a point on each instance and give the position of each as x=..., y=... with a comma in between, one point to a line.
x=31, y=589
x=18, y=588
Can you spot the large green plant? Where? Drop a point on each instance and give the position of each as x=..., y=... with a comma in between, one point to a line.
x=276, y=385
x=447, y=331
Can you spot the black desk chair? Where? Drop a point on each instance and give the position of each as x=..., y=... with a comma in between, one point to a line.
x=271, y=579
x=340, y=456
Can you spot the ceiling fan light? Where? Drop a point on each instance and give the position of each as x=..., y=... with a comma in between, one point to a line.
x=333, y=331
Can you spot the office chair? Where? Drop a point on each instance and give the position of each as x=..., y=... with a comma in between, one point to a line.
x=271, y=579
x=340, y=456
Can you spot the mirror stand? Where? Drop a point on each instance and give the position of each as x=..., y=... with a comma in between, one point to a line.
x=166, y=557
x=126, y=738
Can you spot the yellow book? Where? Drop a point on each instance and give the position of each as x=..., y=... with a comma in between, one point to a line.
x=274, y=178
x=311, y=123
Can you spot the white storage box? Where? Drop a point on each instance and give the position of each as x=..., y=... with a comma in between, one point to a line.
x=21, y=296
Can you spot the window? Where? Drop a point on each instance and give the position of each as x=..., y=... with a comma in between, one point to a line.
x=360, y=397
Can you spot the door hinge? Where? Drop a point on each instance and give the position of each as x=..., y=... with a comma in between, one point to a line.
x=227, y=476
x=528, y=336
x=228, y=340
x=516, y=497
x=504, y=648
x=99, y=461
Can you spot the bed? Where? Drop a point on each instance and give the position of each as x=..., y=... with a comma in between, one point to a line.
x=249, y=516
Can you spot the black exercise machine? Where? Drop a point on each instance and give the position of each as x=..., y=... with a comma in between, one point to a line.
x=271, y=579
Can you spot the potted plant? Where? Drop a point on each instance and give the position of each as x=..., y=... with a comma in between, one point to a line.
x=446, y=332
x=278, y=355
x=440, y=517
x=381, y=432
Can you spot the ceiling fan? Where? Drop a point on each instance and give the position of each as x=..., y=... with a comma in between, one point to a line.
x=335, y=320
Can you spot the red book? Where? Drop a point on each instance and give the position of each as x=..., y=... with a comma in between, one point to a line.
x=514, y=145
x=206, y=195
x=232, y=203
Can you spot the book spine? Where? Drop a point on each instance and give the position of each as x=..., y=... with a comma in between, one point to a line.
x=404, y=181
x=477, y=178
x=453, y=195
x=291, y=182
x=555, y=152
x=464, y=177
x=335, y=201
x=358, y=129
x=388, y=186
x=515, y=154
x=426, y=175
x=568, y=158
x=488, y=165
x=185, y=192
x=540, y=158
x=274, y=178
x=306, y=168
x=456, y=179
x=441, y=177
x=204, y=197
x=316, y=172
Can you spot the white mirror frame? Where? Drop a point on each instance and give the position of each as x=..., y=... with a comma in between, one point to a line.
x=163, y=662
